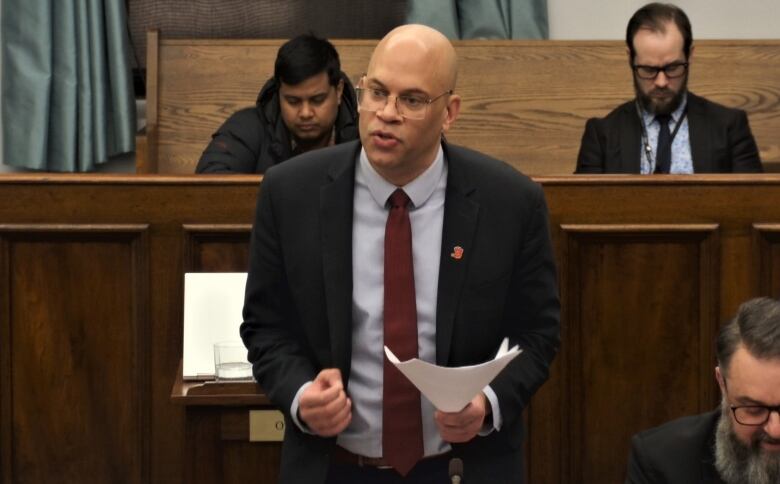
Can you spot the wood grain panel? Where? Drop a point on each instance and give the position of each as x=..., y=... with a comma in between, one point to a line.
x=525, y=102
x=635, y=294
x=766, y=261
x=706, y=231
x=77, y=396
x=216, y=248
x=6, y=422
x=217, y=457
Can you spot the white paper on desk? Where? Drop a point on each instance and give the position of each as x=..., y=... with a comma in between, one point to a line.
x=451, y=389
x=213, y=305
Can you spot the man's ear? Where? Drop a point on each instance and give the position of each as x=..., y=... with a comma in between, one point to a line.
x=721, y=380
x=451, y=112
x=340, y=89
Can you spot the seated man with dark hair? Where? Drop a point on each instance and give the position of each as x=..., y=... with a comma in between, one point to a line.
x=308, y=104
x=666, y=128
x=740, y=442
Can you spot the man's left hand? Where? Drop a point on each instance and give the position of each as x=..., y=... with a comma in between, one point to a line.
x=464, y=425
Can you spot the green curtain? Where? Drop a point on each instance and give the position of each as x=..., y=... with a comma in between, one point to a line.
x=482, y=19
x=67, y=88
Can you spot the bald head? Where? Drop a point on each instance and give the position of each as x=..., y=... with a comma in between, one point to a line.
x=418, y=45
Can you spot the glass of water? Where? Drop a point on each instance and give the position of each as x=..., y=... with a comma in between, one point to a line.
x=230, y=363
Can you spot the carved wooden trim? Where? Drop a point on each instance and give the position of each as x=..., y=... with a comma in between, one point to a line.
x=6, y=420
x=765, y=236
x=195, y=233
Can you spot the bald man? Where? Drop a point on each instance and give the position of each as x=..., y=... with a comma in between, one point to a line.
x=402, y=240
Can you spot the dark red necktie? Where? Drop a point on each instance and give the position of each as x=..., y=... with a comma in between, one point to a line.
x=402, y=441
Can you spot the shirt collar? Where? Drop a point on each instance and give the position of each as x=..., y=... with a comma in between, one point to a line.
x=419, y=190
x=649, y=118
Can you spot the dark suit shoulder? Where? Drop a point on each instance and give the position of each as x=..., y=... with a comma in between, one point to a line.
x=711, y=108
x=618, y=115
x=682, y=431
x=673, y=452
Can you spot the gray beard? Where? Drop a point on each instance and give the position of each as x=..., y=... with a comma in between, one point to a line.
x=738, y=463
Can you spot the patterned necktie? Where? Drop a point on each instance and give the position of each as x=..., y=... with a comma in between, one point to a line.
x=663, y=151
x=402, y=441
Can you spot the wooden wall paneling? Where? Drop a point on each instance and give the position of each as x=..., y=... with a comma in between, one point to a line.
x=168, y=421
x=635, y=293
x=263, y=458
x=216, y=248
x=6, y=419
x=766, y=260
x=76, y=379
x=709, y=230
x=217, y=441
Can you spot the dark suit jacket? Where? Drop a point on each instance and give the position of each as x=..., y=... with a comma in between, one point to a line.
x=678, y=452
x=297, y=312
x=721, y=141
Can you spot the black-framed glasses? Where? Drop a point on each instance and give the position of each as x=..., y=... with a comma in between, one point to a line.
x=753, y=414
x=410, y=106
x=673, y=70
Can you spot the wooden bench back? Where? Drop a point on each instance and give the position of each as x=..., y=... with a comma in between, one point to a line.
x=525, y=102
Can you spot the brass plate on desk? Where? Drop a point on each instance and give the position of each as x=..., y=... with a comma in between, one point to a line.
x=266, y=426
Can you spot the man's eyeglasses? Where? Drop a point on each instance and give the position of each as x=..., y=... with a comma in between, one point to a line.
x=753, y=414
x=410, y=106
x=673, y=70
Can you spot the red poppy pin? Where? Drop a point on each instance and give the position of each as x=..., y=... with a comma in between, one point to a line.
x=457, y=252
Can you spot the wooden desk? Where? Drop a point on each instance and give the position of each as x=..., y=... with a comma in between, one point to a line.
x=217, y=446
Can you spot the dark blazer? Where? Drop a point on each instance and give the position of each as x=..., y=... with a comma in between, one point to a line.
x=678, y=452
x=721, y=141
x=298, y=307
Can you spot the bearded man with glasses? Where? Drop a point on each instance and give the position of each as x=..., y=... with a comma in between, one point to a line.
x=666, y=128
x=739, y=443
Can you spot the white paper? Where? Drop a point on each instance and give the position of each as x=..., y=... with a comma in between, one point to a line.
x=451, y=389
x=213, y=304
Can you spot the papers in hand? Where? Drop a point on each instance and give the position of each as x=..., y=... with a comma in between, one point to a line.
x=451, y=389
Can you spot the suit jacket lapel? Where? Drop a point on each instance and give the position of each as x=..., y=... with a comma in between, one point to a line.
x=336, y=198
x=460, y=221
x=699, y=139
x=631, y=141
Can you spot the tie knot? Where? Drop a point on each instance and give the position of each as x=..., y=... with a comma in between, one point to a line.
x=399, y=199
x=663, y=119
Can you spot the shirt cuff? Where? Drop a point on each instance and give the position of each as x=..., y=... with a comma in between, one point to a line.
x=294, y=409
x=488, y=427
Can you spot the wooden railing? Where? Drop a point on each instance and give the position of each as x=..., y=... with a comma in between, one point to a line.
x=91, y=281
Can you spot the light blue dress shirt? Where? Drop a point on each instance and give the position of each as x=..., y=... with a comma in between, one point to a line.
x=682, y=161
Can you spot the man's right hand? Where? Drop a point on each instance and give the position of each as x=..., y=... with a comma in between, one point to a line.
x=324, y=405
